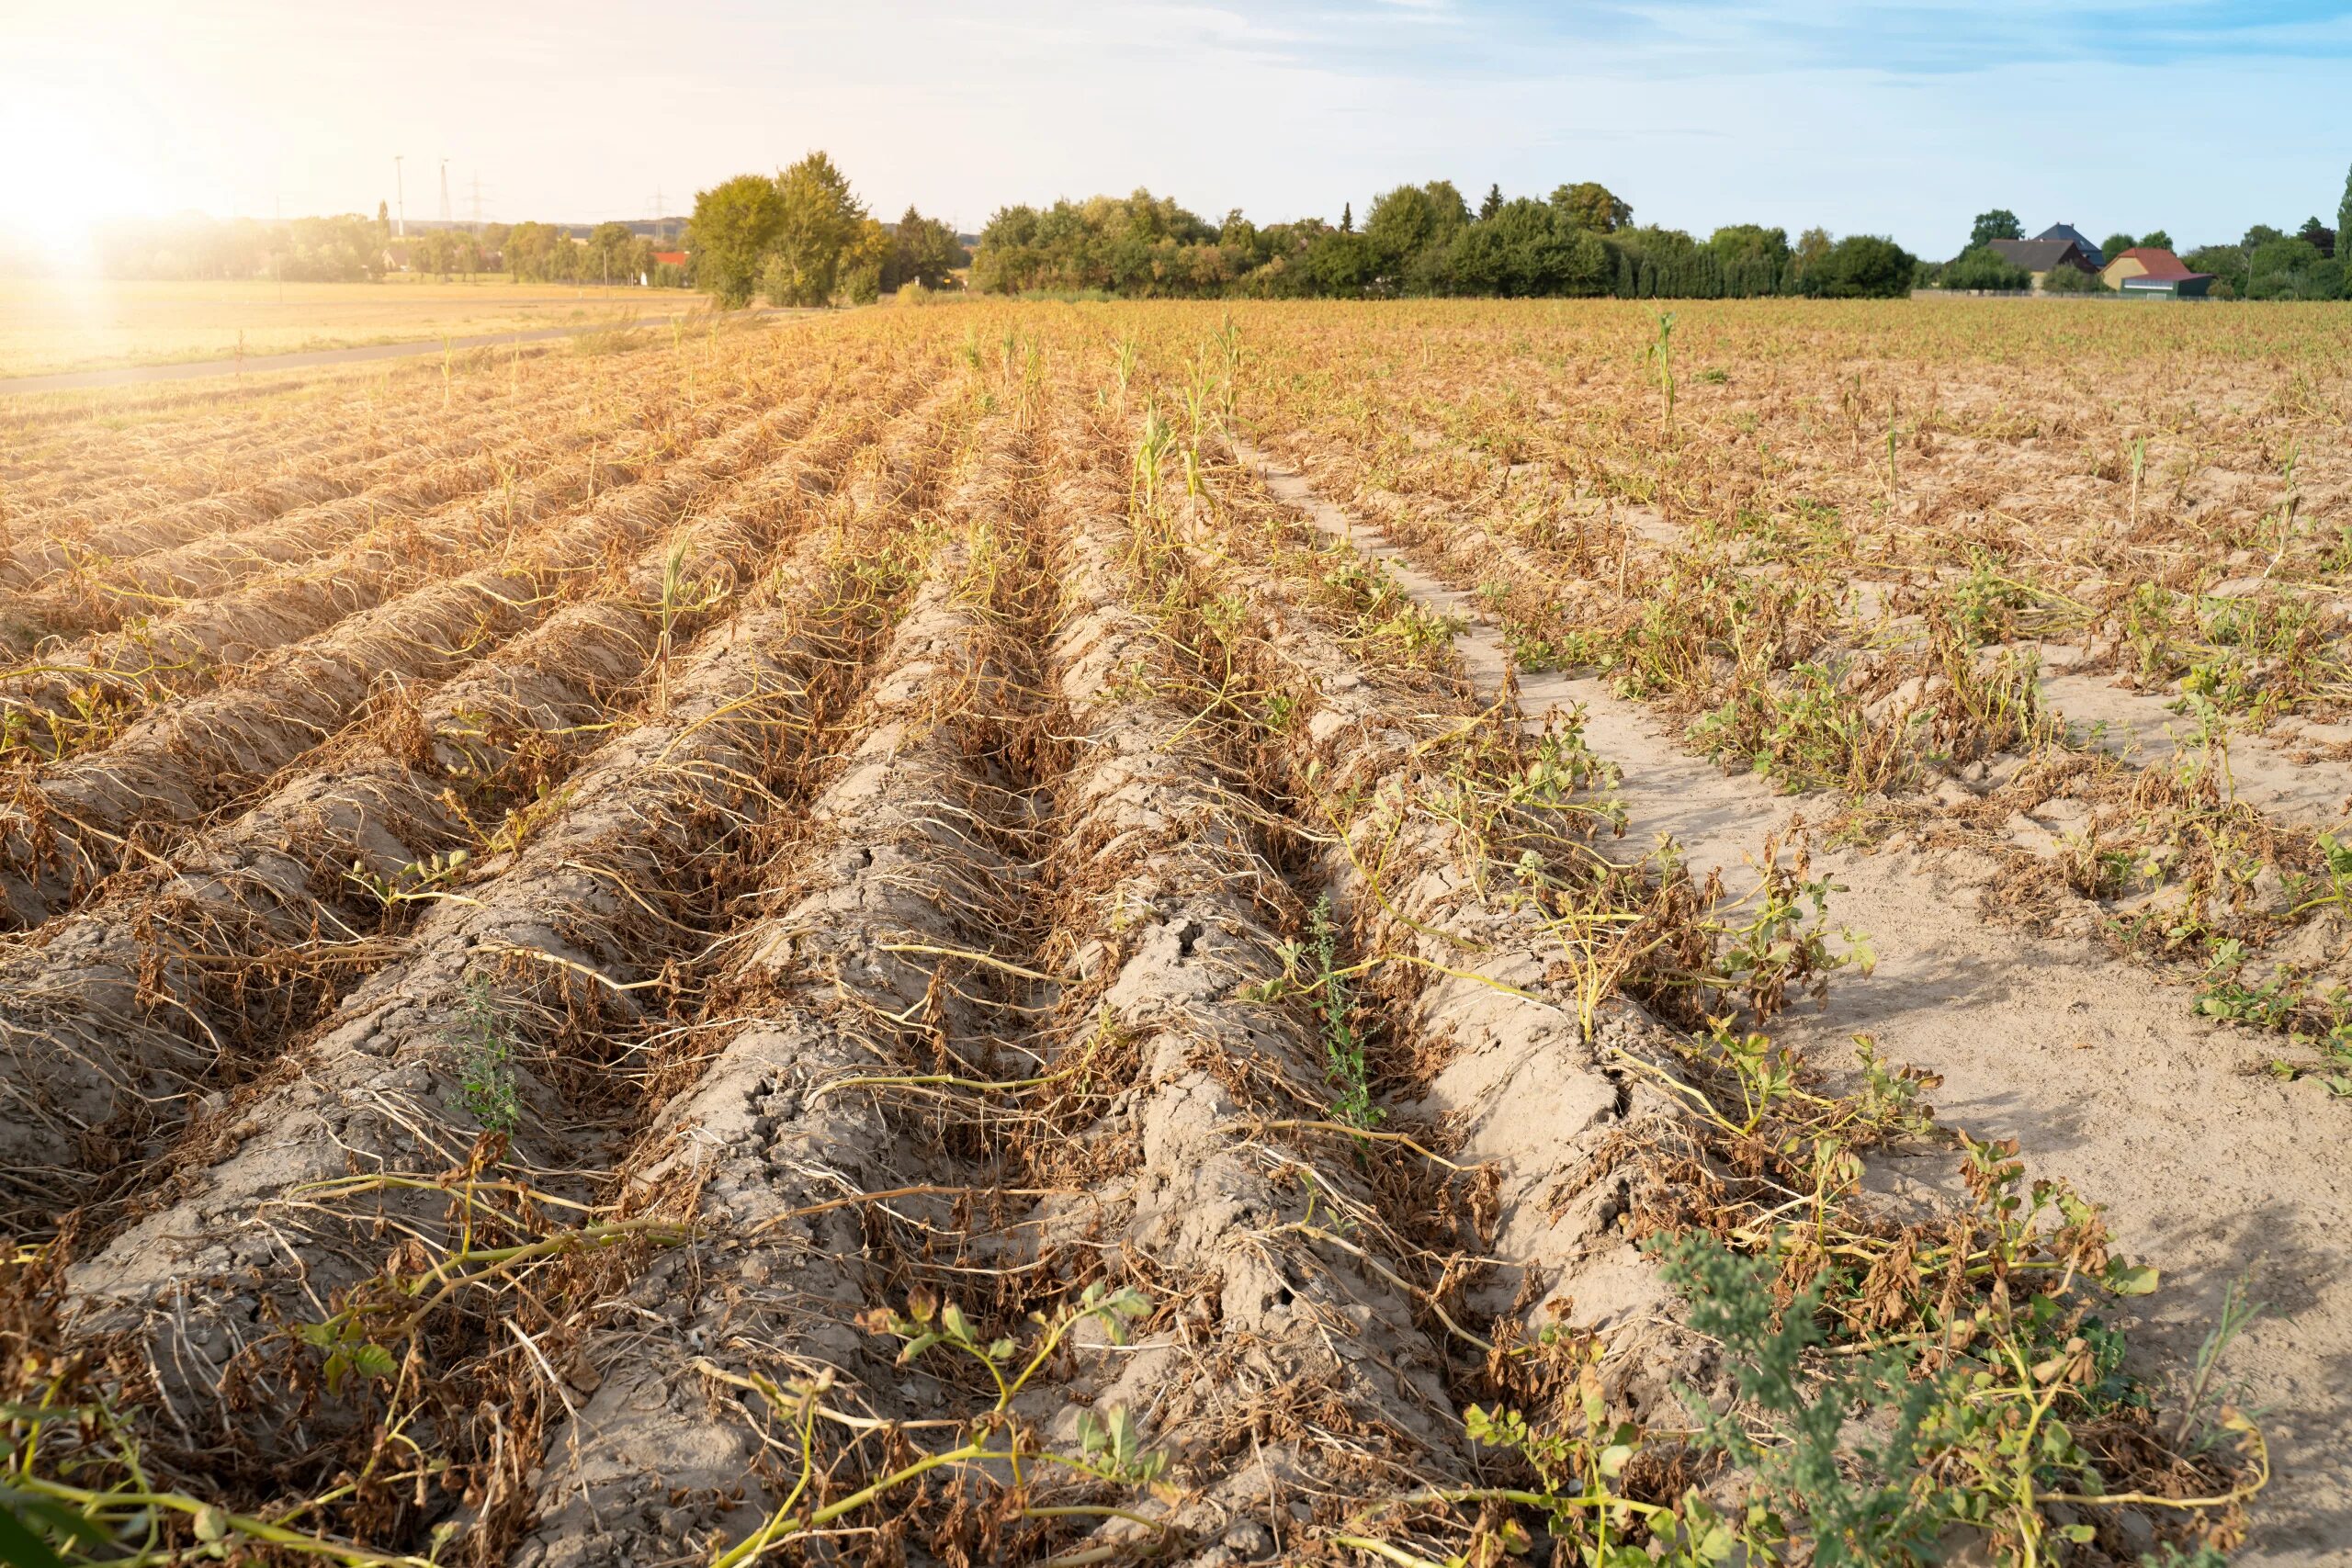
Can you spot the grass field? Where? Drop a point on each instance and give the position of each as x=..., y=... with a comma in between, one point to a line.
x=1101, y=934
x=57, y=324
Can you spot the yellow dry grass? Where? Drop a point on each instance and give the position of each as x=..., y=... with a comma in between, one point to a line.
x=53, y=324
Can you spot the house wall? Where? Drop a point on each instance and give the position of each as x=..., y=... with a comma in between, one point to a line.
x=2122, y=268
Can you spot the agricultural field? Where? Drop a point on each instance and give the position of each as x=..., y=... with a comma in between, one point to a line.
x=50, y=325
x=1444, y=933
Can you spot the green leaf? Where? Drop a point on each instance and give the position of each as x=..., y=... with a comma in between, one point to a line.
x=2132, y=1282
x=19, y=1547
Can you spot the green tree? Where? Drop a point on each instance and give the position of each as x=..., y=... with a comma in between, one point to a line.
x=925, y=251
x=531, y=252
x=607, y=256
x=2343, y=209
x=1337, y=264
x=1528, y=248
x=2156, y=240
x=1492, y=205
x=2072, y=280
x=1750, y=257
x=1409, y=228
x=2225, y=263
x=735, y=224
x=1985, y=267
x=2115, y=245
x=1998, y=224
x=864, y=261
x=1807, y=258
x=1348, y=214
x=817, y=221
x=1862, y=267
x=1589, y=204
x=2318, y=235
x=2286, y=269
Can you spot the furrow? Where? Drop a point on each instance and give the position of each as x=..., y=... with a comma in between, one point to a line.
x=1285, y=1365
x=403, y=478
x=547, y=954
x=70, y=824
x=106, y=676
x=1305, y=1383
x=306, y=456
x=125, y=1014
x=903, y=850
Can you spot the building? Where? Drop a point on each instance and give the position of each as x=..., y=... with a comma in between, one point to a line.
x=2038, y=256
x=2082, y=241
x=671, y=258
x=2146, y=272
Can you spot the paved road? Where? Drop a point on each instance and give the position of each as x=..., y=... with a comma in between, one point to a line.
x=132, y=374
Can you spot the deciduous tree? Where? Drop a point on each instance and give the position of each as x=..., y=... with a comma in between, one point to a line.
x=1998, y=224
x=608, y=252
x=1411, y=224
x=925, y=251
x=735, y=224
x=1591, y=205
x=817, y=222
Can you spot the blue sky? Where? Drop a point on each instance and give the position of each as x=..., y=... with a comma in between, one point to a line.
x=1905, y=119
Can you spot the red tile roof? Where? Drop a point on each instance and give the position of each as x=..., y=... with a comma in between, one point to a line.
x=2160, y=263
x=671, y=258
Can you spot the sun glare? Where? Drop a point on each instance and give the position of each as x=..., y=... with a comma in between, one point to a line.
x=94, y=164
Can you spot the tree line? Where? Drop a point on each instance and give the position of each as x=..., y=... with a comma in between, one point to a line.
x=1422, y=240
x=350, y=248
x=2265, y=263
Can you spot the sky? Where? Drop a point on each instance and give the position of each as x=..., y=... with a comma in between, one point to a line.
x=2195, y=116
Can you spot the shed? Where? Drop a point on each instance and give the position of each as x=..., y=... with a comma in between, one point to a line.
x=2188, y=286
x=2145, y=261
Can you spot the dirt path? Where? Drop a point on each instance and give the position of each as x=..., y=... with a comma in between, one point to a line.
x=2206, y=1167
x=138, y=375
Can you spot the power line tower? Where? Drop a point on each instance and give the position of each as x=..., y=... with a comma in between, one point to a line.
x=445, y=193
x=477, y=203
x=660, y=218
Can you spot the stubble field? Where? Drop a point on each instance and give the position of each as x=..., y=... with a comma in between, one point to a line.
x=1412, y=933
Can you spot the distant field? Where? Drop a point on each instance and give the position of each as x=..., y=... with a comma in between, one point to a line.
x=57, y=324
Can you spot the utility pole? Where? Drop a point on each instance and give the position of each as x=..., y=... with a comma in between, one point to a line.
x=400, y=198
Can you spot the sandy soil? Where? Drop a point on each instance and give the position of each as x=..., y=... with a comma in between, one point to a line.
x=2207, y=1166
